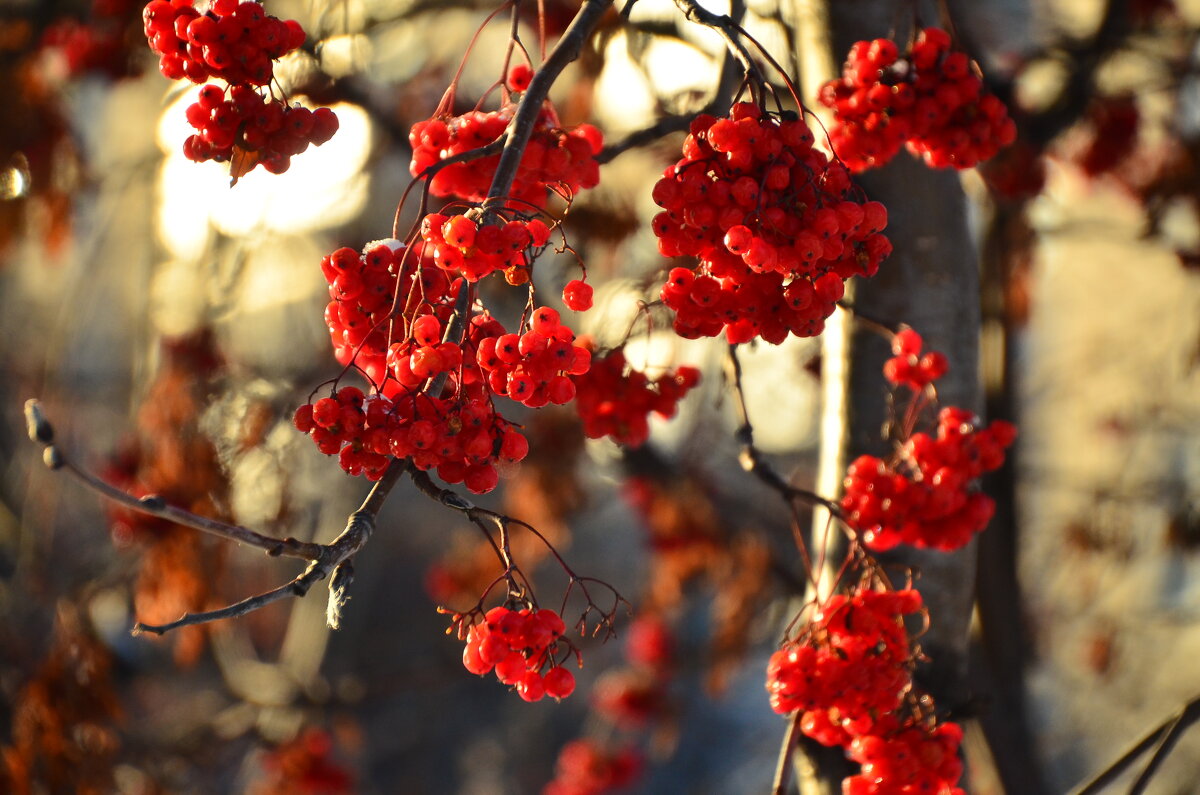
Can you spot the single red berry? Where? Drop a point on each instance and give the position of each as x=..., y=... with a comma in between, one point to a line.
x=577, y=295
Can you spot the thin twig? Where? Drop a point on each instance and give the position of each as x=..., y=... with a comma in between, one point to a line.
x=325, y=559
x=784, y=764
x=41, y=431
x=1161, y=737
x=752, y=459
x=724, y=26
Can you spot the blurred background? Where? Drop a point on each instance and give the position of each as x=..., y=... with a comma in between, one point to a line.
x=171, y=324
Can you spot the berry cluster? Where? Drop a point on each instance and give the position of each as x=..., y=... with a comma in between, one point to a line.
x=930, y=99
x=97, y=45
x=587, y=768
x=462, y=438
x=776, y=226
x=363, y=288
x=264, y=127
x=233, y=41
x=517, y=645
x=908, y=367
x=850, y=672
x=388, y=316
x=556, y=159
x=615, y=400
x=920, y=496
x=914, y=758
x=535, y=368
x=850, y=666
x=461, y=245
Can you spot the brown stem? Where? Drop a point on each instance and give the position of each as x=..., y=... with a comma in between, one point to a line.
x=1162, y=738
x=326, y=559
x=41, y=431
x=784, y=765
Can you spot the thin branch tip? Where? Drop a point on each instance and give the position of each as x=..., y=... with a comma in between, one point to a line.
x=39, y=428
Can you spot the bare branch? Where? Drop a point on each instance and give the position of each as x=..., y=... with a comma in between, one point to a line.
x=752, y=459
x=1162, y=738
x=42, y=431
x=722, y=24
x=297, y=587
x=326, y=560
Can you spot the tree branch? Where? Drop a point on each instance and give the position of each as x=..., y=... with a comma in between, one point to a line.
x=41, y=431
x=325, y=559
x=1162, y=738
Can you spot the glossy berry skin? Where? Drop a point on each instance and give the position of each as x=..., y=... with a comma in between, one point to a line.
x=577, y=295
x=850, y=664
x=236, y=43
x=921, y=496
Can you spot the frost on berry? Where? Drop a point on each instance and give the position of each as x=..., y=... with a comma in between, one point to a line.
x=777, y=229
x=930, y=99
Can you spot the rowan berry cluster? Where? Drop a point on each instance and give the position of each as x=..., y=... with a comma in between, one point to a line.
x=930, y=99
x=98, y=44
x=921, y=495
x=535, y=368
x=908, y=367
x=615, y=400
x=914, y=757
x=241, y=117
x=461, y=245
x=517, y=645
x=587, y=768
x=363, y=291
x=555, y=159
x=850, y=672
x=851, y=665
x=462, y=438
x=235, y=42
x=776, y=226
